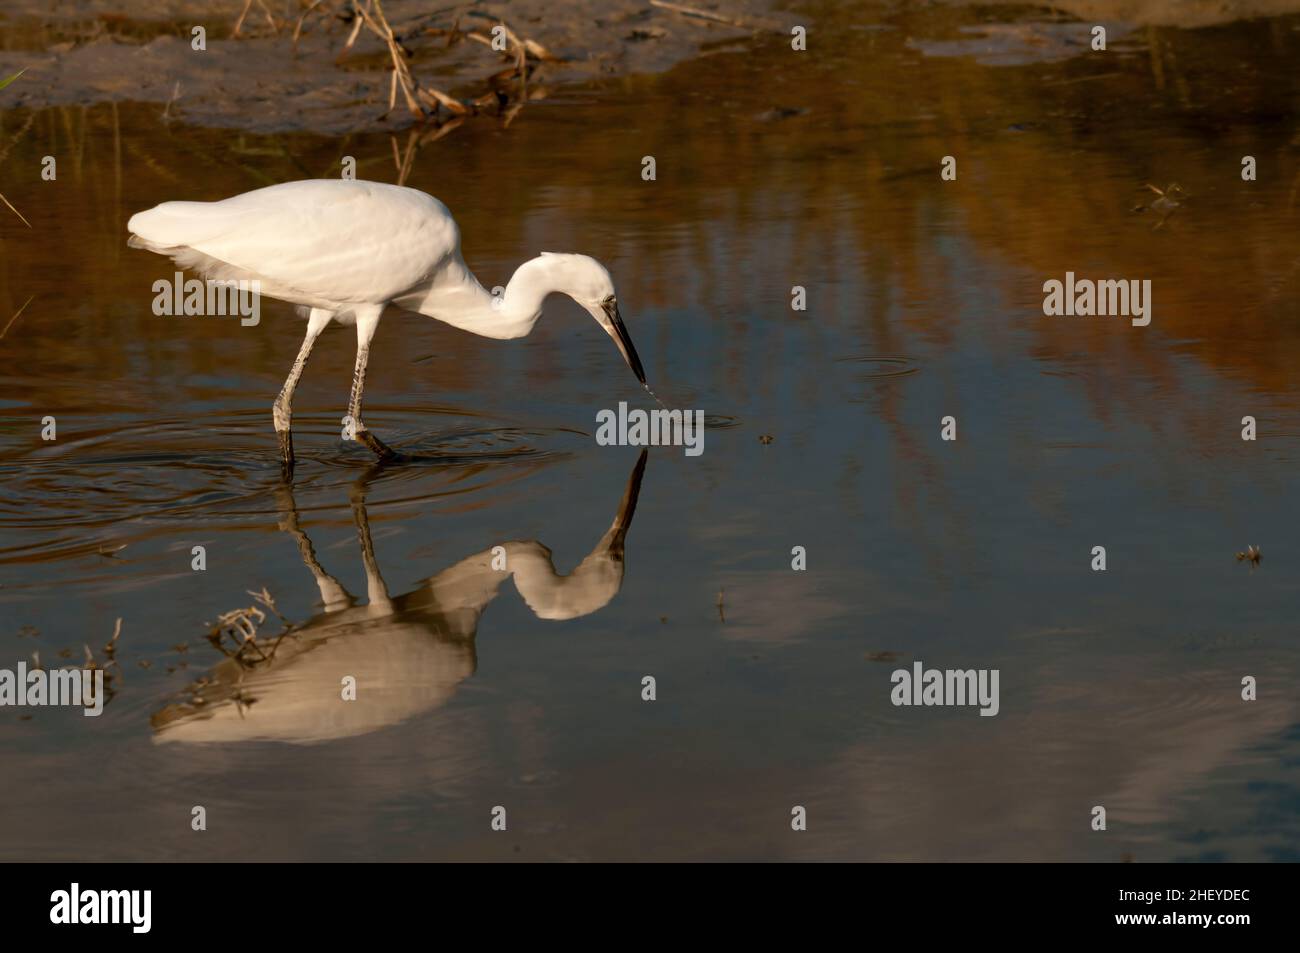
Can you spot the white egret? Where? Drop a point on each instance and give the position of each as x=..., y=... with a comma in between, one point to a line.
x=343, y=250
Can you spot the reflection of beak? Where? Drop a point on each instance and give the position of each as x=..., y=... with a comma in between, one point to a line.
x=618, y=331
x=623, y=519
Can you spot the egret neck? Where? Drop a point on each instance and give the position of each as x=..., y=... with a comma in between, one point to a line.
x=512, y=314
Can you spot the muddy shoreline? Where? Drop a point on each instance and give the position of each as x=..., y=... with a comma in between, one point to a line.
x=286, y=71
x=266, y=80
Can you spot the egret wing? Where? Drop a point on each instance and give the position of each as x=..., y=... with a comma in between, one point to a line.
x=335, y=240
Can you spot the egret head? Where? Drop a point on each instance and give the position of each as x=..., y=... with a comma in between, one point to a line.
x=587, y=282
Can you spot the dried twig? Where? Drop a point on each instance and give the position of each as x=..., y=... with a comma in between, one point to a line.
x=176, y=92
x=405, y=160
x=694, y=12
x=437, y=96
x=264, y=597
x=16, y=313
x=15, y=211
x=3, y=83
x=244, y=13
x=297, y=30
x=424, y=102
x=373, y=15
x=110, y=649
x=357, y=24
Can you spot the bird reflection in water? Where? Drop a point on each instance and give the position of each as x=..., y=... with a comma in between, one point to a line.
x=407, y=653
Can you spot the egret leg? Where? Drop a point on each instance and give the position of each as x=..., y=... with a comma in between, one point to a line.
x=282, y=410
x=367, y=321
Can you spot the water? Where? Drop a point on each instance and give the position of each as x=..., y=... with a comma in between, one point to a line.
x=924, y=300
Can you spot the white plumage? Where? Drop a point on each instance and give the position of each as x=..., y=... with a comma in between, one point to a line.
x=345, y=250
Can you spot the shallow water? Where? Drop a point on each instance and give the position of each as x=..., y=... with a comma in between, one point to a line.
x=774, y=169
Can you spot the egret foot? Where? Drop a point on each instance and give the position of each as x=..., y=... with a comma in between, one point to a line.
x=377, y=446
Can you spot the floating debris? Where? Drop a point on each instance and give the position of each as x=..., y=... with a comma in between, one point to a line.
x=722, y=616
x=264, y=597
x=1168, y=200
x=110, y=648
x=781, y=112
x=1252, y=554
x=765, y=439
x=241, y=626
x=242, y=700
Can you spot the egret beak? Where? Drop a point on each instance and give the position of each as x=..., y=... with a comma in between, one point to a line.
x=618, y=331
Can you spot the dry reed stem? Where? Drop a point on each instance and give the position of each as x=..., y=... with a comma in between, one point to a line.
x=16, y=313
x=244, y=13
x=695, y=12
